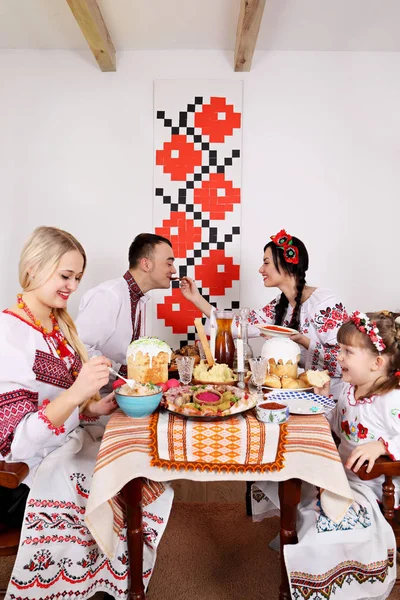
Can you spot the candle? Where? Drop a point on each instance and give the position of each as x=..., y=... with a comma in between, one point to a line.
x=240, y=355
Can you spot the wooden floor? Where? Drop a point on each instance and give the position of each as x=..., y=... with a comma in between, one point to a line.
x=213, y=491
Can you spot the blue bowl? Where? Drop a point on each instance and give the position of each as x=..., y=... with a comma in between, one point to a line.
x=138, y=406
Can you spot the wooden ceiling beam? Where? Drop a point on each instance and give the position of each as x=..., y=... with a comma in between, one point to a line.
x=251, y=12
x=89, y=18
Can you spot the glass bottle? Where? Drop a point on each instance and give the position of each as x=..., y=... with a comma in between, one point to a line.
x=224, y=344
x=242, y=334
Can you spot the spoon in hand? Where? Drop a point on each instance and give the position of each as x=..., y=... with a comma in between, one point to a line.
x=131, y=382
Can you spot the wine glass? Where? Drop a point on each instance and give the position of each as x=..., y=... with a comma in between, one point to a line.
x=185, y=366
x=258, y=368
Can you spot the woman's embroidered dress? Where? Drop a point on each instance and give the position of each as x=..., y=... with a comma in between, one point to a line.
x=321, y=315
x=355, y=559
x=57, y=553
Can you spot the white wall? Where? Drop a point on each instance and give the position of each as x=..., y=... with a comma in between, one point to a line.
x=321, y=152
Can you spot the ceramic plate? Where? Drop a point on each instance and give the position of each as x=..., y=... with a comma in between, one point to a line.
x=276, y=330
x=266, y=387
x=303, y=403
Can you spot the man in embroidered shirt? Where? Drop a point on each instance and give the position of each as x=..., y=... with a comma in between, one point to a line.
x=112, y=314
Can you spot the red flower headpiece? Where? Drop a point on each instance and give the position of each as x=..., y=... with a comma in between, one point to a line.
x=285, y=241
x=363, y=324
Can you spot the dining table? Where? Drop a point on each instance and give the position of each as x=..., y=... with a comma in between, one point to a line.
x=165, y=446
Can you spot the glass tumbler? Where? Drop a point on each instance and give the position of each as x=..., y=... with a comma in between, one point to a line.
x=185, y=366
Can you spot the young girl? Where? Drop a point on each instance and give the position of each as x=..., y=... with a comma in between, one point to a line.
x=356, y=558
x=48, y=393
x=315, y=312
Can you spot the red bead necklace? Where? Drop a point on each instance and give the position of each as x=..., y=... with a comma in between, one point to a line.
x=55, y=335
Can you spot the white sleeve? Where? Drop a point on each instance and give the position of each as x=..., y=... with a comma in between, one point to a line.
x=391, y=411
x=97, y=320
x=24, y=431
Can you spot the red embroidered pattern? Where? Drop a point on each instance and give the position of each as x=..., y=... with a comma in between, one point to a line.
x=87, y=419
x=313, y=587
x=54, y=371
x=330, y=318
x=387, y=448
x=135, y=293
x=42, y=416
x=13, y=408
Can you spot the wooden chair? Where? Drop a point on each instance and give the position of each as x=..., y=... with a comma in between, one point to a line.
x=389, y=468
x=11, y=475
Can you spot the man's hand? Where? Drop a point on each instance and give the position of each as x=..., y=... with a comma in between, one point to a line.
x=368, y=452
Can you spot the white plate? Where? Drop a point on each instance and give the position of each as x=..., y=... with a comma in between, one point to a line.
x=266, y=387
x=278, y=331
x=303, y=403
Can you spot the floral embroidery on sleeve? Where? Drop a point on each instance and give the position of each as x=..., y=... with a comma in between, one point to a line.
x=330, y=318
x=42, y=416
x=270, y=310
x=267, y=311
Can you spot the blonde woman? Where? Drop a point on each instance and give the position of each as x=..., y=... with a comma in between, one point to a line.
x=48, y=393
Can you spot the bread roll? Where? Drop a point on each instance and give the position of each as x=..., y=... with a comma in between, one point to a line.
x=317, y=378
x=282, y=370
x=272, y=381
x=303, y=379
x=290, y=383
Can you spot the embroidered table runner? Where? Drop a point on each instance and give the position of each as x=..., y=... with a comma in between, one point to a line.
x=131, y=448
x=238, y=444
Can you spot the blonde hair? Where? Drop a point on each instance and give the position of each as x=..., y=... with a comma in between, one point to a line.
x=39, y=259
x=389, y=331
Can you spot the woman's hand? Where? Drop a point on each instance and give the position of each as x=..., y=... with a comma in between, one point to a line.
x=301, y=339
x=92, y=377
x=368, y=452
x=191, y=293
x=102, y=407
x=189, y=289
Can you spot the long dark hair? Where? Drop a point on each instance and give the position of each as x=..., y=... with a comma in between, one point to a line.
x=298, y=271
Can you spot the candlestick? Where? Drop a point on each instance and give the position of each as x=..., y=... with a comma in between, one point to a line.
x=240, y=355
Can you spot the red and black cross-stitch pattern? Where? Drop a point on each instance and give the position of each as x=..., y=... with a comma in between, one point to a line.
x=199, y=167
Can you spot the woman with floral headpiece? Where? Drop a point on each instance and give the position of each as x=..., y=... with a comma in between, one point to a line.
x=316, y=313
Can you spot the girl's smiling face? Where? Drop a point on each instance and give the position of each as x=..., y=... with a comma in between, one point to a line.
x=359, y=365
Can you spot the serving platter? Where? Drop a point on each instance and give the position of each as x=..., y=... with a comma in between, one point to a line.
x=180, y=401
x=276, y=330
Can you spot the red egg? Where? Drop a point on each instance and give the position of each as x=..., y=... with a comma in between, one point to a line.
x=163, y=386
x=173, y=383
x=117, y=383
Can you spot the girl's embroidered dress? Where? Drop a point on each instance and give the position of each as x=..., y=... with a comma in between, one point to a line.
x=355, y=559
x=57, y=552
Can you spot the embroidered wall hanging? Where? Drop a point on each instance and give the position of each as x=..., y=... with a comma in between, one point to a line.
x=197, y=181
